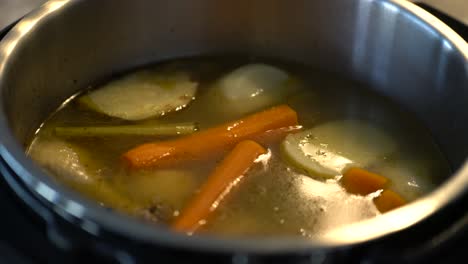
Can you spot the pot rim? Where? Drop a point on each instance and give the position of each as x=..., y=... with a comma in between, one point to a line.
x=62, y=199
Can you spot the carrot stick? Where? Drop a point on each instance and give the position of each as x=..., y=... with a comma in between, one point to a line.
x=275, y=135
x=388, y=200
x=210, y=141
x=226, y=175
x=359, y=181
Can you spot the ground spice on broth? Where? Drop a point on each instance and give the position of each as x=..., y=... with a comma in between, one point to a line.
x=277, y=199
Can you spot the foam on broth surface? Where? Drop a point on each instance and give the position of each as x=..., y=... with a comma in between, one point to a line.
x=275, y=199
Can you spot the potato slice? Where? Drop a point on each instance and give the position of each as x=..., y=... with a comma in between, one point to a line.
x=328, y=149
x=169, y=186
x=142, y=95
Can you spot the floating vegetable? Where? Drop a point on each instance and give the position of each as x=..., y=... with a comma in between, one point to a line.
x=131, y=130
x=360, y=181
x=328, y=149
x=388, y=200
x=141, y=95
x=172, y=187
x=363, y=182
x=61, y=158
x=252, y=87
x=275, y=136
x=213, y=140
x=218, y=185
x=411, y=172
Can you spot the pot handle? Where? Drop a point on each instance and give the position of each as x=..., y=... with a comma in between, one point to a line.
x=458, y=23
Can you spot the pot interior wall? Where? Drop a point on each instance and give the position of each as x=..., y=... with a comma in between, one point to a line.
x=370, y=41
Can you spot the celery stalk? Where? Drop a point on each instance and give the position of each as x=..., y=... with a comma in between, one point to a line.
x=128, y=130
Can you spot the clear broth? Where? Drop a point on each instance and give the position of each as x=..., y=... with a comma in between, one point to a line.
x=274, y=200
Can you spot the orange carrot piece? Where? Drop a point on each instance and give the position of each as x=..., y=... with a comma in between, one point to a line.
x=210, y=141
x=359, y=181
x=276, y=135
x=388, y=200
x=226, y=175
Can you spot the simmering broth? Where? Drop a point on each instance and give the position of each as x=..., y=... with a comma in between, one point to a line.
x=279, y=195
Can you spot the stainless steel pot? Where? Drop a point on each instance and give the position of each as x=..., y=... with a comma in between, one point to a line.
x=399, y=49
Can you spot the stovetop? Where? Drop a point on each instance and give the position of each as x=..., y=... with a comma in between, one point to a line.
x=23, y=237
